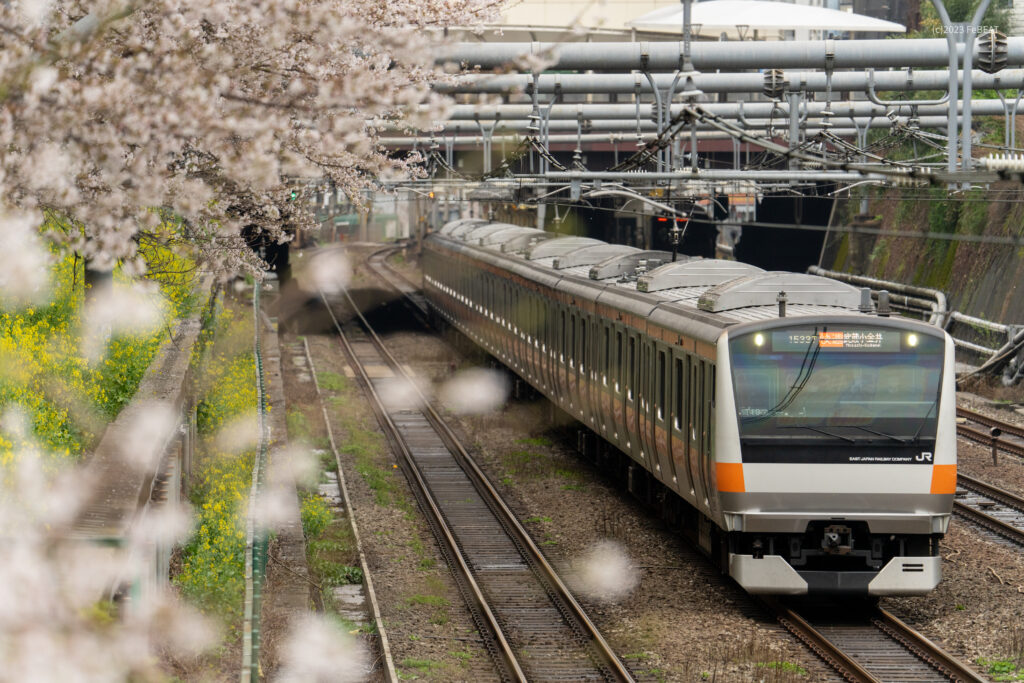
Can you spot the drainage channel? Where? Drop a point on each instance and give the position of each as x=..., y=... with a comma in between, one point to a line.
x=531, y=624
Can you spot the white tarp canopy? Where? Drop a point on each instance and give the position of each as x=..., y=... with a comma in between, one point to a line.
x=743, y=17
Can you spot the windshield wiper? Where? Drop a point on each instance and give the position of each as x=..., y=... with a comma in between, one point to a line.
x=798, y=383
x=889, y=436
x=924, y=420
x=820, y=431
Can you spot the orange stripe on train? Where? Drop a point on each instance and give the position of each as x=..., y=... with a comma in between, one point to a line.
x=943, y=479
x=729, y=476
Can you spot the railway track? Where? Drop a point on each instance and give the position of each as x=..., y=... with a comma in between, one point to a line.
x=998, y=511
x=530, y=623
x=870, y=645
x=1010, y=439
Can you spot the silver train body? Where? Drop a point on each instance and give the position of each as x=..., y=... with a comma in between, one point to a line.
x=813, y=440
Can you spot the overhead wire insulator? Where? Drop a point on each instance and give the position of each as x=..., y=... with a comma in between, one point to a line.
x=992, y=52
x=1013, y=163
x=775, y=83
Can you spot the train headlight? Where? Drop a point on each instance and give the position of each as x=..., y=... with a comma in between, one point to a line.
x=759, y=340
x=912, y=340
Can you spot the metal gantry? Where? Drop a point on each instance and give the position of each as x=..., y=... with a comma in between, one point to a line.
x=805, y=113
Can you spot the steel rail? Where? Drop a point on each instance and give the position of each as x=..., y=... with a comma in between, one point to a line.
x=508, y=518
x=982, y=518
x=813, y=639
x=996, y=526
x=1006, y=427
x=987, y=440
x=846, y=665
x=924, y=648
x=490, y=628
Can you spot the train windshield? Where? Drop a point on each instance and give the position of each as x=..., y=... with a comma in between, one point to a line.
x=842, y=383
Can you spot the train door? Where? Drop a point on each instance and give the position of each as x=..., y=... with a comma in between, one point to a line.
x=531, y=336
x=582, y=368
x=707, y=371
x=644, y=404
x=503, y=321
x=571, y=365
x=487, y=285
x=604, y=378
x=538, y=335
x=678, y=441
x=632, y=400
x=559, y=361
x=618, y=420
x=662, y=383
x=693, y=430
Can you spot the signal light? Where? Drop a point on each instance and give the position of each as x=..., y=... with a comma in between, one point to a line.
x=662, y=219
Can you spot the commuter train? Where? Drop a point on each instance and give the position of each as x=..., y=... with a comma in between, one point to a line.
x=811, y=436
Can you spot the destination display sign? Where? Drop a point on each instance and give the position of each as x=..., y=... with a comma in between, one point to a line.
x=837, y=340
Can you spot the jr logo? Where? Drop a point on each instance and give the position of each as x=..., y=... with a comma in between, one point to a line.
x=924, y=457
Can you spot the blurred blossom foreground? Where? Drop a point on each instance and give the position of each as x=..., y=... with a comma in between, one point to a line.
x=475, y=391
x=139, y=140
x=606, y=572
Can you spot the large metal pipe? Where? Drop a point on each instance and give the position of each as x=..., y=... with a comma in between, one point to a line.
x=626, y=141
x=507, y=112
x=781, y=176
x=630, y=125
x=668, y=56
x=807, y=81
x=938, y=308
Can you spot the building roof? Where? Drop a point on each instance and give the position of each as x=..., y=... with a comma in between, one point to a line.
x=740, y=18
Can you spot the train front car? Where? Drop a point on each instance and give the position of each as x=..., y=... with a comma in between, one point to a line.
x=836, y=454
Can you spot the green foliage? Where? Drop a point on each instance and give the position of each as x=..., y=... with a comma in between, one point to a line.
x=332, y=381
x=65, y=395
x=432, y=600
x=298, y=428
x=423, y=665
x=997, y=16
x=784, y=666
x=535, y=441
x=315, y=516
x=1005, y=669
x=332, y=574
x=232, y=391
x=212, y=568
x=212, y=574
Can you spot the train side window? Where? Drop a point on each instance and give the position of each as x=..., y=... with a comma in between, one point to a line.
x=679, y=389
x=631, y=377
x=561, y=355
x=606, y=347
x=694, y=400
x=661, y=385
x=572, y=345
x=618, y=360
x=584, y=361
x=701, y=426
